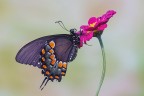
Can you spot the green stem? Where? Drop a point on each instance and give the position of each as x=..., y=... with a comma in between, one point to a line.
x=104, y=65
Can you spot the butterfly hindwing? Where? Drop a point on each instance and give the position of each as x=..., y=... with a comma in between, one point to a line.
x=55, y=56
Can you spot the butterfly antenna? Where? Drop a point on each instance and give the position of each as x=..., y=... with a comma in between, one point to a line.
x=43, y=82
x=104, y=65
x=62, y=25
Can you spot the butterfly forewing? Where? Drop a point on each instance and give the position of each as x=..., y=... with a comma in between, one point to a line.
x=29, y=54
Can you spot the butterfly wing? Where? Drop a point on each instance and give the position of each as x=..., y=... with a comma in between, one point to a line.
x=51, y=54
x=64, y=50
x=30, y=53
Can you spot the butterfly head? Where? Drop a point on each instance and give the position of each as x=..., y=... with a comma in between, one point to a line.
x=73, y=31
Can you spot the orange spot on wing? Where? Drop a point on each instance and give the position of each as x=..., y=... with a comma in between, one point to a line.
x=53, y=61
x=57, y=77
x=43, y=51
x=63, y=73
x=52, y=44
x=51, y=51
x=47, y=73
x=64, y=65
x=52, y=56
x=44, y=66
x=43, y=59
x=51, y=77
x=60, y=64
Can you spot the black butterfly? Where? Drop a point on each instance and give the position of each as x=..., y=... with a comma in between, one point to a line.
x=51, y=54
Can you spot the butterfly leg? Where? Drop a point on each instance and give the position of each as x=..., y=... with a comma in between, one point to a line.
x=43, y=82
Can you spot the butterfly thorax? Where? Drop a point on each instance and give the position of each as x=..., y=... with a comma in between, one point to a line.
x=75, y=37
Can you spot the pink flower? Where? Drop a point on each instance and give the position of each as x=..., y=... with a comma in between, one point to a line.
x=98, y=24
x=84, y=36
x=95, y=25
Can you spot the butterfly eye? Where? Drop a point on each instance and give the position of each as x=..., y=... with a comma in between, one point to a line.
x=72, y=31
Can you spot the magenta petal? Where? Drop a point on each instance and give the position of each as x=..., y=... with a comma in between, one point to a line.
x=92, y=20
x=102, y=27
x=81, y=41
x=109, y=14
x=84, y=27
x=87, y=37
x=90, y=35
x=90, y=29
x=78, y=33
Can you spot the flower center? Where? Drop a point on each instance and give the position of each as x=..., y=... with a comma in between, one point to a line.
x=93, y=24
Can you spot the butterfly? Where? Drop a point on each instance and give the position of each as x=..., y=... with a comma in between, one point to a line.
x=51, y=54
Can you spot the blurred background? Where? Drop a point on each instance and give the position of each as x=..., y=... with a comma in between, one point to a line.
x=22, y=21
